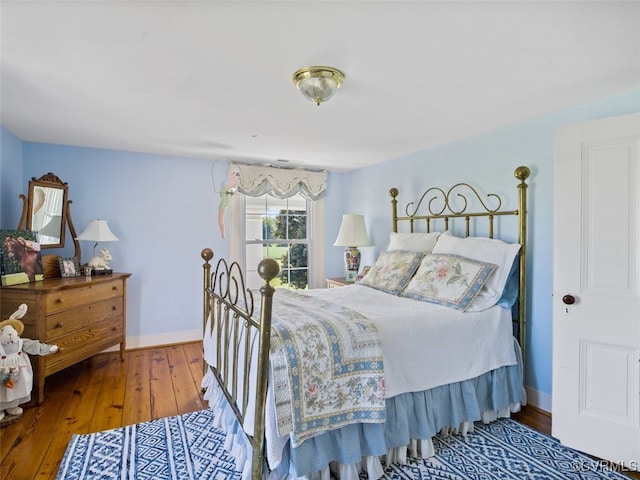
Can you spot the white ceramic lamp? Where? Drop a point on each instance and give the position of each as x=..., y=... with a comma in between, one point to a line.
x=352, y=234
x=97, y=231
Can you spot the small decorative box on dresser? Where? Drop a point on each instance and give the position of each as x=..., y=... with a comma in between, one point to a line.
x=337, y=282
x=82, y=315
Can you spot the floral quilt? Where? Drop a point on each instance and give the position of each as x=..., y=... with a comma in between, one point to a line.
x=326, y=366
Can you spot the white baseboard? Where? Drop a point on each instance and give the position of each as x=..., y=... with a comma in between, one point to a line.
x=538, y=399
x=158, y=339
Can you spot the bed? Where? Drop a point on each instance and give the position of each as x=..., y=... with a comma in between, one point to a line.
x=337, y=382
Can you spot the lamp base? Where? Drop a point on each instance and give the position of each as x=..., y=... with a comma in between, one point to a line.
x=104, y=271
x=351, y=275
x=351, y=263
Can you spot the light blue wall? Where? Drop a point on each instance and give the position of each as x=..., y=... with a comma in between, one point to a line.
x=11, y=179
x=488, y=161
x=164, y=211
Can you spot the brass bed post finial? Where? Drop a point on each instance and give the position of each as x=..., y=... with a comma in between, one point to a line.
x=207, y=255
x=268, y=269
x=522, y=173
x=394, y=209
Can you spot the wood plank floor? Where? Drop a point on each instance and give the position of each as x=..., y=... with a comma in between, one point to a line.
x=98, y=394
x=103, y=392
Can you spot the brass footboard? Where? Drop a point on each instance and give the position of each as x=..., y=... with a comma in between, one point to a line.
x=229, y=312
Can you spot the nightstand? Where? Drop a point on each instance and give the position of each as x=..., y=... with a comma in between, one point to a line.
x=337, y=282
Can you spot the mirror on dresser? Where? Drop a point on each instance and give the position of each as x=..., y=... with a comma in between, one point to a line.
x=45, y=210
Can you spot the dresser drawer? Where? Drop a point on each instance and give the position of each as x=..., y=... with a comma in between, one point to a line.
x=84, y=343
x=62, y=323
x=71, y=298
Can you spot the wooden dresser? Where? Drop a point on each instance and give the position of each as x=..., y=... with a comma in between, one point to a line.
x=82, y=315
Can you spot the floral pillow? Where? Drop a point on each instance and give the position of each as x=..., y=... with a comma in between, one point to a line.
x=449, y=280
x=392, y=271
x=487, y=250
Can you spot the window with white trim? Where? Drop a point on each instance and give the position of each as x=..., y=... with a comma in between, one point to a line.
x=282, y=229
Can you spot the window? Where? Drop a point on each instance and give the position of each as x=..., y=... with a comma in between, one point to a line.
x=282, y=229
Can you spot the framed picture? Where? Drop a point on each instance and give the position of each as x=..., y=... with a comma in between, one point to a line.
x=20, y=257
x=69, y=267
x=365, y=270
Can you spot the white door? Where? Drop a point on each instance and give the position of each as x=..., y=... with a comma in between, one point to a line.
x=596, y=293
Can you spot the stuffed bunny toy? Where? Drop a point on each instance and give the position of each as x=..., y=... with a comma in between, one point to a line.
x=16, y=373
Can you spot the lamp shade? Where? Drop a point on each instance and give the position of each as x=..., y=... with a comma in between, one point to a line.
x=353, y=232
x=98, y=231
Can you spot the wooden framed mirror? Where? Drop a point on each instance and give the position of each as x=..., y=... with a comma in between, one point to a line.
x=46, y=211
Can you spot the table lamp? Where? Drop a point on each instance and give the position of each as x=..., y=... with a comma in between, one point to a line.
x=97, y=231
x=352, y=234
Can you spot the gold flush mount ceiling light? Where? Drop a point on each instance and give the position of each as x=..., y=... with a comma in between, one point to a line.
x=318, y=83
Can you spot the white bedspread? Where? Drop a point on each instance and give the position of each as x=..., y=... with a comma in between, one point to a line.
x=426, y=345
x=423, y=346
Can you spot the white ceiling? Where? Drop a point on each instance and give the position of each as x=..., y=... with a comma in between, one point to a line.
x=212, y=79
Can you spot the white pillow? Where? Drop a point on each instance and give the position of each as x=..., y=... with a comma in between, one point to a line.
x=486, y=250
x=413, y=242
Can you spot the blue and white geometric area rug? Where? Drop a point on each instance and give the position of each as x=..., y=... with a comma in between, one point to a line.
x=189, y=447
x=184, y=447
x=504, y=450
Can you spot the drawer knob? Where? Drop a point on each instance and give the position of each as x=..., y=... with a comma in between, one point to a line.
x=59, y=324
x=114, y=308
x=59, y=300
x=114, y=288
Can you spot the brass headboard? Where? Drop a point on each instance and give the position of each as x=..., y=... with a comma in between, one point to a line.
x=440, y=205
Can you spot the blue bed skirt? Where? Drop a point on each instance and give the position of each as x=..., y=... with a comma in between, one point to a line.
x=418, y=415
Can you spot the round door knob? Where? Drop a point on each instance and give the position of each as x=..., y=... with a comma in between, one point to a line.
x=569, y=299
